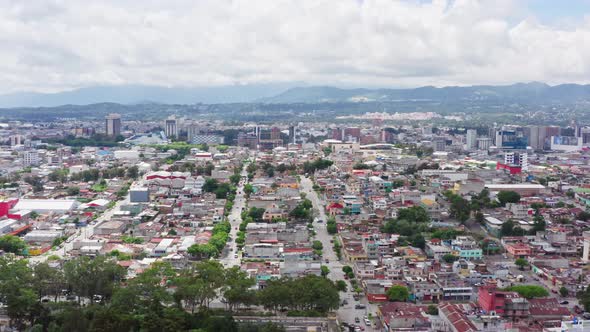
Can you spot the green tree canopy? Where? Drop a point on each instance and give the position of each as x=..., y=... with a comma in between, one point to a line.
x=398, y=293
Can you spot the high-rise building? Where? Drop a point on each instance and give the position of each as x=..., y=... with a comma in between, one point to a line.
x=171, y=128
x=275, y=133
x=31, y=158
x=471, y=139
x=16, y=140
x=352, y=134
x=510, y=137
x=484, y=143
x=291, y=134
x=520, y=159
x=439, y=144
x=113, y=124
x=337, y=134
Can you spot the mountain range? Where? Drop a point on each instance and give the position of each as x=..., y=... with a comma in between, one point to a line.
x=296, y=93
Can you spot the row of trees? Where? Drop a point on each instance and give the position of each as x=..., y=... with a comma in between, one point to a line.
x=216, y=243
x=159, y=299
x=94, y=174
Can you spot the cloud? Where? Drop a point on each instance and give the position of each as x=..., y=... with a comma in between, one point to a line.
x=54, y=45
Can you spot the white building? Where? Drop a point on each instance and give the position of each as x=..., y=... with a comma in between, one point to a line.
x=31, y=158
x=484, y=143
x=471, y=139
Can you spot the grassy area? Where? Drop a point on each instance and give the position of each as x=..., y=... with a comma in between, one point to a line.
x=99, y=187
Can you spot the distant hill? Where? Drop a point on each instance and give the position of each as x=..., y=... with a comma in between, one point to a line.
x=141, y=94
x=522, y=92
x=296, y=92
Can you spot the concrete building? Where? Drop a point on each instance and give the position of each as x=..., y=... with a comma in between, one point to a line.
x=16, y=140
x=171, y=127
x=484, y=143
x=31, y=158
x=139, y=195
x=113, y=124
x=471, y=139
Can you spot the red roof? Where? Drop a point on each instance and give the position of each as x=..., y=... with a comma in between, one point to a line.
x=297, y=250
x=335, y=206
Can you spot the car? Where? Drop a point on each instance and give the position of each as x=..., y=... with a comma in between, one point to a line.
x=344, y=302
x=360, y=306
x=235, y=255
x=564, y=302
x=45, y=300
x=357, y=320
x=367, y=322
x=97, y=298
x=327, y=261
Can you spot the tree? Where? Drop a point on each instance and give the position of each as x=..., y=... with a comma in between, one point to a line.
x=236, y=288
x=584, y=298
x=87, y=277
x=529, y=291
x=317, y=245
x=418, y=241
x=398, y=293
x=16, y=291
x=508, y=197
x=413, y=214
x=450, y=258
x=203, y=251
x=521, y=263
x=324, y=271
x=47, y=280
x=432, y=309
x=564, y=292
x=584, y=216
x=460, y=207
x=479, y=217
x=507, y=228
x=13, y=244
x=132, y=172
x=346, y=269
x=235, y=179
x=341, y=285
x=73, y=191
x=248, y=189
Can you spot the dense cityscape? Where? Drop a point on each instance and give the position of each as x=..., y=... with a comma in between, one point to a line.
x=295, y=166
x=380, y=224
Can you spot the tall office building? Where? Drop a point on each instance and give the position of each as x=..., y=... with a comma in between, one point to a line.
x=16, y=140
x=113, y=124
x=484, y=143
x=171, y=127
x=291, y=134
x=471, y=139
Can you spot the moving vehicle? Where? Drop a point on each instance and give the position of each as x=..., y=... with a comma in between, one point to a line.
x=367, y=322
x=360, y=306
x=357, y=320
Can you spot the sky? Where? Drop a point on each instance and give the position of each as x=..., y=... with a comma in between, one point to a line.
x=56, y=45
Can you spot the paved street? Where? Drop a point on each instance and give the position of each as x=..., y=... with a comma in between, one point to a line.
x=228, y=258
x=346, y=313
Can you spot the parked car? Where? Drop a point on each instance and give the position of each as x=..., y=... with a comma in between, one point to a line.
x=360, y=306
x=357, y=320
x=564, y=302
x=367, y=322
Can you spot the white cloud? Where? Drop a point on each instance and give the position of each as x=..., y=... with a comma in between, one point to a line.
x=55, y=45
